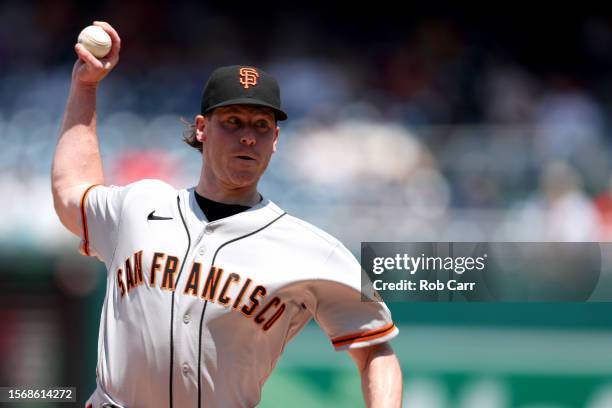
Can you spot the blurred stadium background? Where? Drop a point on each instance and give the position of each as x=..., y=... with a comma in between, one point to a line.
x=437, y=125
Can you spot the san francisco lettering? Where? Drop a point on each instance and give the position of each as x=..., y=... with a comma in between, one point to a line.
x=215, y=287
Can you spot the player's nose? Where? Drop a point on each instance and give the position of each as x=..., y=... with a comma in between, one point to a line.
x=248, y=139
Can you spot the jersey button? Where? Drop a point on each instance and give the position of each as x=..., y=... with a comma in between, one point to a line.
x=201, y=251
x=185, y=368
x=208, y=230
x=186, y=318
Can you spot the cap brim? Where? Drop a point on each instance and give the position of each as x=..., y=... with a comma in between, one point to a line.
x=279, y=114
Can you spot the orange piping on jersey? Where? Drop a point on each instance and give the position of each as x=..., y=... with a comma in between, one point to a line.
x=363, y=336
x=84, y=219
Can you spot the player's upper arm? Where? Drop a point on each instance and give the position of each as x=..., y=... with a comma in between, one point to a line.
x=93, y=213
x=67, y=203
x=350, y=321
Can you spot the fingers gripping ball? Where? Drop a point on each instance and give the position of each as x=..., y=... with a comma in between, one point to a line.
x=96, y=40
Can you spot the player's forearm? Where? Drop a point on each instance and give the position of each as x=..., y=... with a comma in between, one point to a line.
x=77, y=159
x=381, y=380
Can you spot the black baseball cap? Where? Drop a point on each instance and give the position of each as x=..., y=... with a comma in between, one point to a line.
x=242, y=85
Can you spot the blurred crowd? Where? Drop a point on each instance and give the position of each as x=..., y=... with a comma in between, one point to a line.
x=429, y=126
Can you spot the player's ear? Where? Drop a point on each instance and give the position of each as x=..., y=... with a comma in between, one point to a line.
x=200, y=127
x=276, y=135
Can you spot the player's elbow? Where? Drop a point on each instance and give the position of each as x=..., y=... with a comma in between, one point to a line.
x=364, y=357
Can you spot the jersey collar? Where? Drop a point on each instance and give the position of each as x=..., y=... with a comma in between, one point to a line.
x=244, y=222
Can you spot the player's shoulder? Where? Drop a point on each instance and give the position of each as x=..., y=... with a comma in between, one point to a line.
x=147, y=188
x=309, y=243
x=118, y=195
x=150, y=185
x=308, y=231
x=137, y=193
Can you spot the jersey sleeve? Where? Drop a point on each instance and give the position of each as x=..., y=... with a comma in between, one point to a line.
x=100, y=209
x=340, y=311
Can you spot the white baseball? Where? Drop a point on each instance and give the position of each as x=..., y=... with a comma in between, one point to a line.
x=96, y=40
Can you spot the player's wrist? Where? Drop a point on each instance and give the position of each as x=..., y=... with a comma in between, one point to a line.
x=79, y=86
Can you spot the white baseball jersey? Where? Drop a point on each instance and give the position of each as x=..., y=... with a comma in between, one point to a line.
x=197, y=313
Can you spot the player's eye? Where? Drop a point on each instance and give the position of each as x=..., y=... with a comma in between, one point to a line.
x=262, y=125
x=233, y=120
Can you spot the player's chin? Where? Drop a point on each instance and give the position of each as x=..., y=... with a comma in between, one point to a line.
x=244, y=178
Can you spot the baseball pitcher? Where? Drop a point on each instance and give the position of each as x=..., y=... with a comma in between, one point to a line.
x=207, y=285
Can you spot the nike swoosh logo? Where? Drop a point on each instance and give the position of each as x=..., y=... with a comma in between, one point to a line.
x=155, y=217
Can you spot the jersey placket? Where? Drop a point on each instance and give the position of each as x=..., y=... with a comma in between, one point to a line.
x=179, y=366
x=189, y=315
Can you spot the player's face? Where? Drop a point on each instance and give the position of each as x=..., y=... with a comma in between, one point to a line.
x=238, y=142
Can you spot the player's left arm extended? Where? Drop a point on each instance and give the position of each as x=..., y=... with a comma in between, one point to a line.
x=381, y=376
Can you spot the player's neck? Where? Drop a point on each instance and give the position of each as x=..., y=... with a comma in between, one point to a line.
x=247, y=196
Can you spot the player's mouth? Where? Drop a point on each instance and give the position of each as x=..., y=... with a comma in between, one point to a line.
x=245, y=157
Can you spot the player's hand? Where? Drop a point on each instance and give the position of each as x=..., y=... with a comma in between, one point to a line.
x=89, y=70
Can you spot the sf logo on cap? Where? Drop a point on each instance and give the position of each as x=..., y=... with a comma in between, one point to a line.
x=248, y=77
